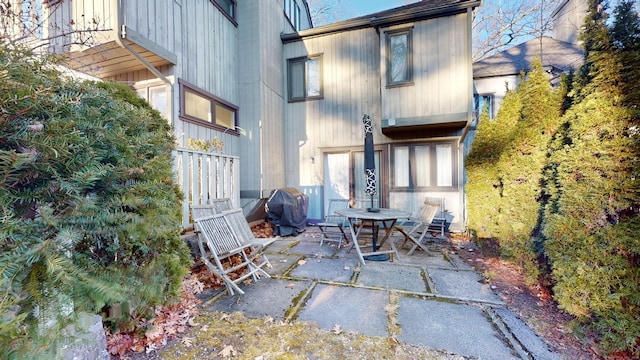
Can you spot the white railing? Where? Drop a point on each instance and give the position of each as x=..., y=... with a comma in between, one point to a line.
x=203, y=176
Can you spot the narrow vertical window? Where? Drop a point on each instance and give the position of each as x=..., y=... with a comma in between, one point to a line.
x=422, y=165
x=399, y=64
x=444, y=165
x=401, y=166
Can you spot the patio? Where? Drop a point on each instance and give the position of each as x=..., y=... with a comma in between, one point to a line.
x=439, y=301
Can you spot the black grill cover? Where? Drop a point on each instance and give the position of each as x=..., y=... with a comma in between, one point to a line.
x=287, y=211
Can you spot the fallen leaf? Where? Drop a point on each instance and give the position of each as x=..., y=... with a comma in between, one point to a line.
x=227, y=351
x=268, y=320
x=187, y=341
x=336, y=329
x=247, y=282
x=302, y=262
x=347, y=268
x=261, y=357
x=291, y=285
x=284, y=261
x=204, y=328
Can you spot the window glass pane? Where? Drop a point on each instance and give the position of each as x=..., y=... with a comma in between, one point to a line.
x=422, y=165
x=197, y=106
x=227, y=6
x=225, y=117
x=297, y=22
x=296, y=71
x=401, y=166
x=398, y=55
x=444, y=165
x=142, y=93
x=158, y=99
x=313, y=77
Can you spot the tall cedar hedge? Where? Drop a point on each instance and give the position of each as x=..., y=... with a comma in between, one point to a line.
x=89, y=209
x=587, y=196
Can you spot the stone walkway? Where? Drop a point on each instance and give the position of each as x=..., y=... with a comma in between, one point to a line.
x=440, y=301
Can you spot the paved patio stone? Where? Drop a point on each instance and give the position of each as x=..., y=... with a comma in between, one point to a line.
x=464, y=284
x=354, y=309
x=457, y=328
x=266, y=297
x=392, y=276
x=281, y=263
x=325, y=269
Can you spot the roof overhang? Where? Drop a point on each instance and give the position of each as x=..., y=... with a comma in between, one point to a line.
x=109, y=58
x=413, y=12
x=450, y=122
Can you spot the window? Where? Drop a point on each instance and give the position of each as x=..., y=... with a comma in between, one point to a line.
x=198, y=106
x=482, y=103
x=424, y=166
x=156, y=96
x=32, y=18
x=228, y=8
x=292, y=11
x=399, y=64
x=305, y=78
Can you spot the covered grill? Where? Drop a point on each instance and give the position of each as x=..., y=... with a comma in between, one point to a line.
x=287, y=211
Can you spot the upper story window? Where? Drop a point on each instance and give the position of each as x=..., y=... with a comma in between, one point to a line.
x=305, y=78
x=199, y=106
x=292, y=10
x=482, y=103
x=399, y=54
x=424, y=166
x=228, y=8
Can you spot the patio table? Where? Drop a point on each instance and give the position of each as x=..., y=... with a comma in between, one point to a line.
x=360, y=218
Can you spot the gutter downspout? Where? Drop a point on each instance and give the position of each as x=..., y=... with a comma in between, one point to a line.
x=469, y=76
x=121, y=33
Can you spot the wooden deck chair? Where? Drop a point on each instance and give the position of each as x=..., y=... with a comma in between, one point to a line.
x=215, y=206
x=239, y=223
x=416, y=229
x=332, y=227
x=439, y=222
x=220, y=243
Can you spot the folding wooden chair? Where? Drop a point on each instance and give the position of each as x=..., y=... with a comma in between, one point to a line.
x=215, y=206
x=220, y=242
x=332, y=228
x=416, y=229
x=236, y=219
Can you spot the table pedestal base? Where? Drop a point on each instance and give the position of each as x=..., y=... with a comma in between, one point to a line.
x=379, y=257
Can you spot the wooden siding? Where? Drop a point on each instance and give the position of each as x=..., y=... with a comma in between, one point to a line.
x=440, y=64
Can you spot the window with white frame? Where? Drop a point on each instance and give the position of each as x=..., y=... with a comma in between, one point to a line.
x=305, y=78
x=399, y=63
x=483, y=103
x=424, y=166
x=201, y=107
x=155, y=95
x=228, y=8
x=32, y=18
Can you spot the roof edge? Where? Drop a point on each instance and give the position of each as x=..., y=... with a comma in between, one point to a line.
x=388, y=20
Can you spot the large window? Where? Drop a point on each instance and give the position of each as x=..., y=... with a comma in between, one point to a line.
x=198, y=106
x=424, y=166
x=399, y=64
x=305, y=78
x=228, y=8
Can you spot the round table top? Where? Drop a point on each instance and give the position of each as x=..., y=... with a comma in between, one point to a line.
x=383, y=214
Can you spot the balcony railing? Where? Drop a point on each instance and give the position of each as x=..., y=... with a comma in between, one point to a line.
x=203, y=176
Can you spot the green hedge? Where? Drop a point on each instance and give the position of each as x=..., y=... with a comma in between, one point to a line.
x=89, y=209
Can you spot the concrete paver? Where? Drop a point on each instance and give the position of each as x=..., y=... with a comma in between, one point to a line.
x=443, y=303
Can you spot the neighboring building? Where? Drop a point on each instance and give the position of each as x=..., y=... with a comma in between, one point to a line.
x=495, y=74
x=289, y=98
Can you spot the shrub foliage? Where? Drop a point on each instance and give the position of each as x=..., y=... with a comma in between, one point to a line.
x=554, y=179
x=87, y=199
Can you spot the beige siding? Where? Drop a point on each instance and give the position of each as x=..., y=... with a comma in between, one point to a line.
x=440, y=67
x=351, y=88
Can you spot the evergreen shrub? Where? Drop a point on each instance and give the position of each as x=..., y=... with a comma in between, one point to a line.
x=90, y=212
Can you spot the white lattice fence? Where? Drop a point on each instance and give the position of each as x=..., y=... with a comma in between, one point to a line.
x=203, y=176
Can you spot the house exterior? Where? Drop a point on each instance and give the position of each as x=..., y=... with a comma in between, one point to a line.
x=559, y=53
x=259, y=83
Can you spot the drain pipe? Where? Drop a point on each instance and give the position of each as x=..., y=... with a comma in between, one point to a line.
x=121, y=33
